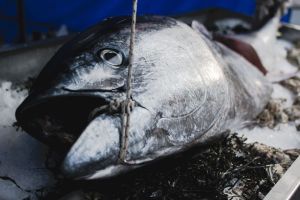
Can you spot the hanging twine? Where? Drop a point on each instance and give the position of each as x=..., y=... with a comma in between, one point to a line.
x=128, y=104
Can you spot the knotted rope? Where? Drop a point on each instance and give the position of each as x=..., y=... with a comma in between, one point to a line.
x=129, y=103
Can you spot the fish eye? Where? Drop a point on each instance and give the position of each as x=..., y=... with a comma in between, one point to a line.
x=111, y=57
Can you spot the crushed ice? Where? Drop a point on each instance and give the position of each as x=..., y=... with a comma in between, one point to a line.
x=10, y=99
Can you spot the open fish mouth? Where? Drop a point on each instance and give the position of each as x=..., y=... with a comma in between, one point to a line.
x=81, y=127
x=73, y=124
x=58, y=121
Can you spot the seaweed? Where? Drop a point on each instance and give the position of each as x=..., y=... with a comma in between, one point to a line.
x=228, y=169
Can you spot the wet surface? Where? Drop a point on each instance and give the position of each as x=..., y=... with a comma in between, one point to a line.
x=23, y=172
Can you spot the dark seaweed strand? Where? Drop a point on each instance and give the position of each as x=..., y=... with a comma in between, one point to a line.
x=126, y=108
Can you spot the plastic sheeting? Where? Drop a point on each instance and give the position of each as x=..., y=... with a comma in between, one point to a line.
x=79, y=14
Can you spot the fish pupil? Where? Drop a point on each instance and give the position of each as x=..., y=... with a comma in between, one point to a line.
x=109, y=56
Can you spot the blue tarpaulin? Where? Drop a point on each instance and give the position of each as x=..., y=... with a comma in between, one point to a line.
x=79, y=14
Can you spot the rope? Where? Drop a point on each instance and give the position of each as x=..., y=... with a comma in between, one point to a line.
x=128, y=104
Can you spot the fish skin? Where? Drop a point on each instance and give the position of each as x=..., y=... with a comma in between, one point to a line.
x=189, y=90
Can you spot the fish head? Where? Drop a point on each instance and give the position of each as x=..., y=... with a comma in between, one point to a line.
x=90, y=72
x=86, y=73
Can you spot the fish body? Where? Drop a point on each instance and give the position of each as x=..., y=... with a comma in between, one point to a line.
x=187, y=90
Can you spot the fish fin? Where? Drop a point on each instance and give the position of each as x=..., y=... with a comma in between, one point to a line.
x=200, y=28
x=244, y=49
x=268, y=9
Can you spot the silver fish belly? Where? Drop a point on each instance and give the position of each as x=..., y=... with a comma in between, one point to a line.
x=188, y=88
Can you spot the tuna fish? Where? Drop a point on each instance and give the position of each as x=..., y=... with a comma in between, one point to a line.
x=187, y=88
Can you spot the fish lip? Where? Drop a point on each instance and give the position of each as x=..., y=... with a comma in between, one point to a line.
x=109, y=172
x=114, y=90
x=28, y=102
x=104, y=173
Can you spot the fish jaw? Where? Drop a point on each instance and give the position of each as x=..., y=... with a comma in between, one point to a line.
x=95, y=155
x=96, y=150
